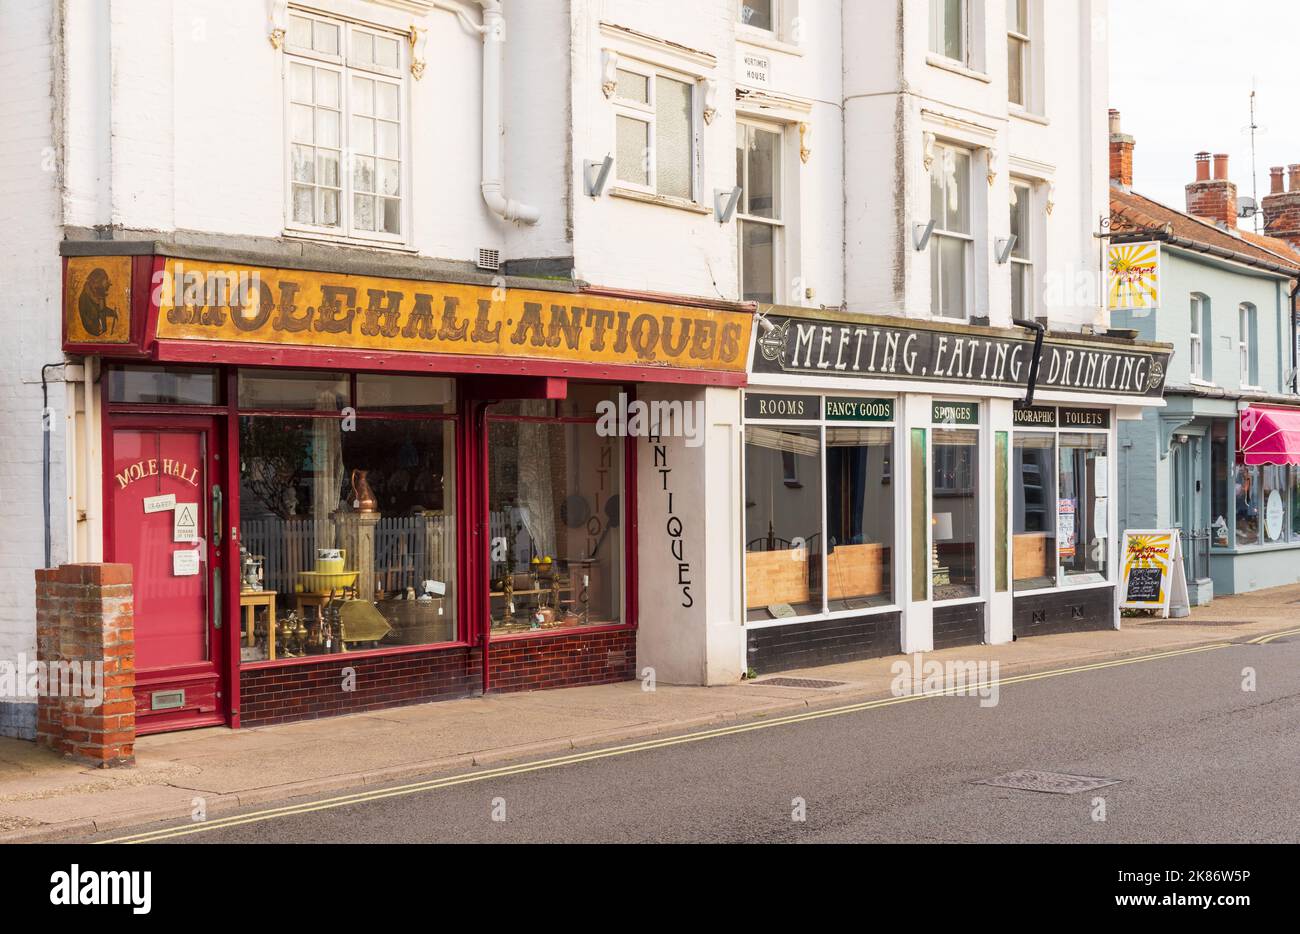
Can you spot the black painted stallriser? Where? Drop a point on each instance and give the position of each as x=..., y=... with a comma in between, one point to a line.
x=958, y=625
x=1045, y=614
x=824, y=642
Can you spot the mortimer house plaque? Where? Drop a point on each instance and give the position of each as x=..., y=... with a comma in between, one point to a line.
x=871, y=346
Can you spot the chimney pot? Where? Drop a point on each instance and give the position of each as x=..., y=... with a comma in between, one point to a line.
x=1294, y=171
x=1202, y=166
x=1114, y=121
x=1275, y=182
x=1221, y=166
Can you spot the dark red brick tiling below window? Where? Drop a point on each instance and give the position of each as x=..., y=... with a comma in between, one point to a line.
x=305, y=692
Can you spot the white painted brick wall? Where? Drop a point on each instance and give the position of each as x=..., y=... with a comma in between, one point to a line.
x=29, y=280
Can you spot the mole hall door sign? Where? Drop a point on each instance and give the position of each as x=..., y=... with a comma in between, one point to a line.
x=293, y=307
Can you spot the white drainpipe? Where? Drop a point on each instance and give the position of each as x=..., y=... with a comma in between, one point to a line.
x=494, y=194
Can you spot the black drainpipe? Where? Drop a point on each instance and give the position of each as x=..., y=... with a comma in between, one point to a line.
x=1039, y=330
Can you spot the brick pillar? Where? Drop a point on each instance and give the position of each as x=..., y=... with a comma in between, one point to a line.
x=84, y=620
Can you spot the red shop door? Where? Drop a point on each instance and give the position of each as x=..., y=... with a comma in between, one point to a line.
x=166, y=500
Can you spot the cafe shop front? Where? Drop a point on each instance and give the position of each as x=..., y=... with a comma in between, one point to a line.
x=341, y=491
x=901, y=496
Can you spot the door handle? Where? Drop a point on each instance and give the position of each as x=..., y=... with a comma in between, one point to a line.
x=216, y=523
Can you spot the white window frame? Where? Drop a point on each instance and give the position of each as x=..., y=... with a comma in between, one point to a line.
x=936, y=44
x=647, y=113
x=778, y=223
x=1196, y=351
x=1247, y=331
x=775, y=31
x=1026, y=40
x=968, y=251
x=1024, y=266
x=347, y=230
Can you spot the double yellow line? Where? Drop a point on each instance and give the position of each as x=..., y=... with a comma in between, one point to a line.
x=1264, y=640
x=645, y=746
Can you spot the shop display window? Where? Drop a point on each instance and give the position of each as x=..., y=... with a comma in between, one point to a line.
x=1034, y=506
x=859, y=517
x=1294, y=511
x=347, y=521
x=783, y=505
x=1220, y=483
x=1082, y=506
x=556, y=516
x=1245, y=483
x=163, y=385
x=954, y=519
x=1272, y=503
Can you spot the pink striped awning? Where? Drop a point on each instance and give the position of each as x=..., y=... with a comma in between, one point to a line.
x=1270, y=436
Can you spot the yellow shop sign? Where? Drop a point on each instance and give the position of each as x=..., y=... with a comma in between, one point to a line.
x=209, y=301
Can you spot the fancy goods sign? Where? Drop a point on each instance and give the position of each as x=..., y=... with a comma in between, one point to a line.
x=292, y=307
x=871, y=348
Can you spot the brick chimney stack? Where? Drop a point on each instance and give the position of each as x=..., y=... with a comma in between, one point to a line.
x=1214, y=199
x=1281, y=205
x=1121, y=154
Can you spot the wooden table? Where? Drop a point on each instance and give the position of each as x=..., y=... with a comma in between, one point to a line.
x=249, y=600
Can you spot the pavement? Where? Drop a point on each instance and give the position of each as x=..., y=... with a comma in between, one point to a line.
x=44, y=797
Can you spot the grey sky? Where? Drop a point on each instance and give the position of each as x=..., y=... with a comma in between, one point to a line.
x=1180, y=75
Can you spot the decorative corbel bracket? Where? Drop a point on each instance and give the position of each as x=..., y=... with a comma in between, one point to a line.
x=710, y=88
x=609, y=72
x=418, y=38
x=927, y=150
x=991, y=164
x=1170, y=425
x=805, y=142
x=277, y=14
x=1051, y=196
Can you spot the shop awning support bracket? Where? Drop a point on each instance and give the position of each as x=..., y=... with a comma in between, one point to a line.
x=1039, y=330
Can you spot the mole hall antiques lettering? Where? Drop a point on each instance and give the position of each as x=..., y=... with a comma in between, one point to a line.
x=293, y=307
x=869, y=347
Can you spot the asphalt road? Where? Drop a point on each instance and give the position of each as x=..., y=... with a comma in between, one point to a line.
x=1199, y=759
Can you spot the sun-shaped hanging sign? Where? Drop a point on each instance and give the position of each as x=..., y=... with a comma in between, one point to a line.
x=1134, y=276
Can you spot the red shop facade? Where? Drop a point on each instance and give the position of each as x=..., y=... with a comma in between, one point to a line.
x=347, y=491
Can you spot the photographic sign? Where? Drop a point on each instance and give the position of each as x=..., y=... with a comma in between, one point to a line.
x=1153, y=573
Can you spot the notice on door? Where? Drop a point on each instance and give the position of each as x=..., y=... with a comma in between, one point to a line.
x=160, y=503
x=1153, y=572
x=185, y=563
x=185, y=522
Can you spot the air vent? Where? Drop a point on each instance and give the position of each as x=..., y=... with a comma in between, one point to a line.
x=489, y=260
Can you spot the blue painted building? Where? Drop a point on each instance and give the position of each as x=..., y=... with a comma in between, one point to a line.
x=1227, y=303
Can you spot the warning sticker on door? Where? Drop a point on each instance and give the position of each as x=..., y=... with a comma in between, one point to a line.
x=185, y=522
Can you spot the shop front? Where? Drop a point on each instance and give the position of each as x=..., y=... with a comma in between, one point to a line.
x=899, y=495
x=345, y=491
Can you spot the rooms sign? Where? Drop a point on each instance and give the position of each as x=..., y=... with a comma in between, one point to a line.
x=959, y=354
x=294, y=307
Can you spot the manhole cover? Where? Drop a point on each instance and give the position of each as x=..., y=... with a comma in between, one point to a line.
x=1053, y=783
x=799, y=683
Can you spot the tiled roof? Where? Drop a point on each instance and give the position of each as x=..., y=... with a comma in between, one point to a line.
x=1132, y=213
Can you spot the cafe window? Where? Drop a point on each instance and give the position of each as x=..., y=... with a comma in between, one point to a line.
x=783, y=541
x=1033, y=497
x=1245, y=483
x=951, y=244
x=347, y=520
x=954, y=519
x=819, y=505
x=556, y=516
x=1082, y=508
x=346, y=130
x=859, y=517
